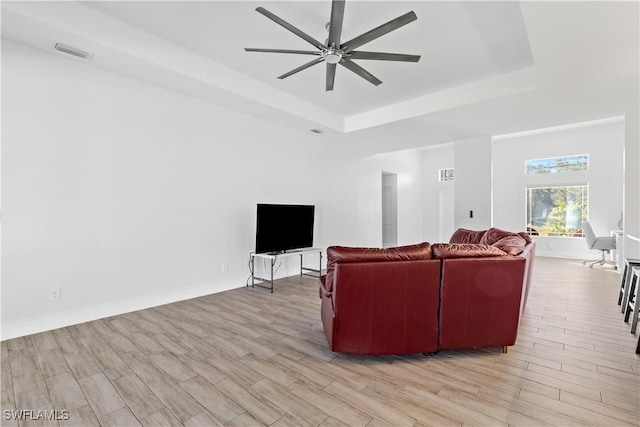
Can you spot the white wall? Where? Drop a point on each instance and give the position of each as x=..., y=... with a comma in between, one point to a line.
x=604, y=144
x=124, y=195
x=632, y=185
x=473, y=183
x=437, y=208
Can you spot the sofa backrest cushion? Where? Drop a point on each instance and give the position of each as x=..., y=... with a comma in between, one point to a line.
x=462, y=235
x=344, y=254
x=464, y=250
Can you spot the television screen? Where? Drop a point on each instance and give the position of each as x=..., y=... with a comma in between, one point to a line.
x=280, y=228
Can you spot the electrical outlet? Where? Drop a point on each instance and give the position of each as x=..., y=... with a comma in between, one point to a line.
x=54, y=294
x=225, y=267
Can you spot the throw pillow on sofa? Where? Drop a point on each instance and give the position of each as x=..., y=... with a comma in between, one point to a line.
x=464, y=250
x=512, y=243
x=462, y=235
x=493, y=234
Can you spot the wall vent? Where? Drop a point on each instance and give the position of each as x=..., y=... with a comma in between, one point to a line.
x=445, y=175
x=72, y=51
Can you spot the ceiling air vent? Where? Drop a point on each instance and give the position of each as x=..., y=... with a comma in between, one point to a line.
x=72, y=51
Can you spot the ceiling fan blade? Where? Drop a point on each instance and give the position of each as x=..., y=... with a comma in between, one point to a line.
x=347, y=63
x=379, y=31
x=290, y=27
x=380, y=56
x=300, y=52
x=302, y=67
x=331, y=76
x=335, y=24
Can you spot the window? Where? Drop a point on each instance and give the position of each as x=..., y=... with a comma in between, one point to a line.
x=557, y=164
x=445, y=175
x=557, y=211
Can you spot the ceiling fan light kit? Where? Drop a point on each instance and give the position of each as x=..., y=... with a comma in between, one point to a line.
x=334, y=52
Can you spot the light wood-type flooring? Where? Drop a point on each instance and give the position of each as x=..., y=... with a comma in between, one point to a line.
x=249, y=358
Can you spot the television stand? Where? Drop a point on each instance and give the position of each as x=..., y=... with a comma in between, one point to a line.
x=273, y=257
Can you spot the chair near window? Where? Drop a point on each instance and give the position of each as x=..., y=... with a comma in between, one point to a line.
x=604, y=244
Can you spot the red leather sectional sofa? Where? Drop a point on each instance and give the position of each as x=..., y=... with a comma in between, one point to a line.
x=468, y=293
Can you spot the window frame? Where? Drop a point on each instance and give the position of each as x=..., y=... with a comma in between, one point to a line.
x=546, y=171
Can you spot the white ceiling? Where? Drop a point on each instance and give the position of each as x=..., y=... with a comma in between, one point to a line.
x=486, y=67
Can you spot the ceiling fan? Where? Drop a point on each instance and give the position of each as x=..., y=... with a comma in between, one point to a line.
x=333, y=52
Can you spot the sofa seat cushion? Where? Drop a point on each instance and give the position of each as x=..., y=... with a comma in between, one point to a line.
x=463, y=235
x=464, y=250
x=344, y=254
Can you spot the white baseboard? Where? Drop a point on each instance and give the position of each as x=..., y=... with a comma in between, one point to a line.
x=62, y=319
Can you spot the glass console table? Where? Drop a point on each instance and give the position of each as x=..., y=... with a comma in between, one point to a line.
x=271, y=258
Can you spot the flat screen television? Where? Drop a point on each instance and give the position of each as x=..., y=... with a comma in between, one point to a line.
x=282, y=228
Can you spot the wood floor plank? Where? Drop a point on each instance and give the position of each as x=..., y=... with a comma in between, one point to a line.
x=6, y=385
x=630, y=417
x=585, y=416
x=450, y=408
x=138, y=397
x=43, y=341
x=101, y=394
x=203, y=419
x=423, y=414
x=202, y=365
x=119, y=418
x=170, y=364
x=81, y=417
x=532, y=410
x=52, y=362
x=23, y=361
x=223, y=408
x=330, y=404
x=369, y=405
x=106, y=358
x=302, y=371
x=243, y=420
x=65, y=392
x=162, y=418
x=30, y=391
x=496, y=411
x=174, y=397
x=270, y=370
x=80, y=361
x=227, y=364
x=171, y=345
x=290, y=403
x=259, y=407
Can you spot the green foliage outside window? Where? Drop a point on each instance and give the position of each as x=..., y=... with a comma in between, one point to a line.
x=557, y=211
x=557, y=164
